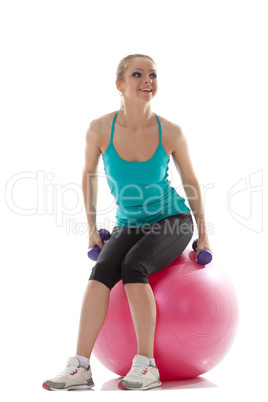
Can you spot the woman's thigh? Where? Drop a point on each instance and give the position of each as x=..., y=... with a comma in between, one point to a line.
x=108, y=266
x=164, y=241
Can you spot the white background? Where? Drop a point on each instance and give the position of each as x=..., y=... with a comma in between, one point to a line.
x=57, y=74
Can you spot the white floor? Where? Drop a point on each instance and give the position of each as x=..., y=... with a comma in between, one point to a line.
x=238, y=376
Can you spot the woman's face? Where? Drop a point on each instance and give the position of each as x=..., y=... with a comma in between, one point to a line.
x=141, y=73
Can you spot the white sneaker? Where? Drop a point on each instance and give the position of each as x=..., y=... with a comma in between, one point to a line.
x=141, y=375
x=73, y=377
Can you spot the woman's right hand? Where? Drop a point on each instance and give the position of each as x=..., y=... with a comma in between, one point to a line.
x=95, y=239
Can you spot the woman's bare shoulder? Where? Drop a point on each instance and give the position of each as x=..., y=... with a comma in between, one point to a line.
x=171, y=132
x=100, y=126
x=169, y=126
x=99, y=130
x=101, y=122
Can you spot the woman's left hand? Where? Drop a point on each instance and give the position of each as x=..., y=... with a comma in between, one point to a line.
x=202, y=244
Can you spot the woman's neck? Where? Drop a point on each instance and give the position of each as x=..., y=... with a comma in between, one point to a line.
x=135, y=119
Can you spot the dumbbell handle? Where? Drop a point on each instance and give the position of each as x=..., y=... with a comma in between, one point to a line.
x=94, y=252
x=204, y=257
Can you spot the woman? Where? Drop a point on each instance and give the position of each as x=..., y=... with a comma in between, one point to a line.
x=153, y=223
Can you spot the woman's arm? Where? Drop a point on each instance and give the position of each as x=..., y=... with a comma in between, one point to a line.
x=191, y=186
x=89, y=177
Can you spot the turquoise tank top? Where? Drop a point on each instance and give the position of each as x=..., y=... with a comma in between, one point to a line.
x=141, y=190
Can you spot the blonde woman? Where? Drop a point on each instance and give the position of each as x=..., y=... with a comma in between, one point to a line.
x=153, y=223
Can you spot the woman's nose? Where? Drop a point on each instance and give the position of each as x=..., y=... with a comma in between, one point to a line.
x=148, y=79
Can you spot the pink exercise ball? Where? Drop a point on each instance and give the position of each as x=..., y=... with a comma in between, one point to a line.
x=197, y=318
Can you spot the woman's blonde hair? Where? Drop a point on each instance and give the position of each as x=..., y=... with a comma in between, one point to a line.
x=122, y=66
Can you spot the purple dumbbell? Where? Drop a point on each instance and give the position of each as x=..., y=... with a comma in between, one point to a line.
x=203, y=257
x=94, y=252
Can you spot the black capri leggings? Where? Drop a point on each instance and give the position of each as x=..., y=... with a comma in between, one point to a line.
x=132, y=254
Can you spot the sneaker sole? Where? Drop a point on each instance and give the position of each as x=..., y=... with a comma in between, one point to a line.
x=72, y=387
x=153, y=385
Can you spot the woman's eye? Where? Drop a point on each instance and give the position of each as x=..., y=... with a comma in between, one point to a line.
x=134, y=74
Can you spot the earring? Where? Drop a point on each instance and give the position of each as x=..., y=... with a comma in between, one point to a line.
x=121, y=93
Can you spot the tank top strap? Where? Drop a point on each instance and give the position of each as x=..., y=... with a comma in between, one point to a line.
x=112, y=131
x=159, y=129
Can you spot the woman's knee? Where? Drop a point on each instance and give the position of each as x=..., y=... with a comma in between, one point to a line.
x=101, y=274
x=97, y=285
x=133, y=272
